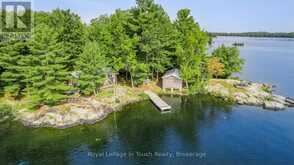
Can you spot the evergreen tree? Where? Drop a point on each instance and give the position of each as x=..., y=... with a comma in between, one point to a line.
x=41, y=17
x=156, y=45
x=138, y=43
x=91, y=66
x=140, y=73
x=12, y=54
x=46, y=71
x=70, y=33
x=123, y=46
x=99, y=31
x=191, y=49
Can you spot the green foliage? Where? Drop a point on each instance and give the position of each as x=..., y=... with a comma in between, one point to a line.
x=46, y=72
x=230, y=57
x=142, y=36
x=139, y=43
x=157, y=36
x=140, y=73
x=12, y=65
x=39, y=67
x=266, y=89
x=91, y=66
x=70, y=33
x=191, y=50
x=5, y=110
x=214, y=67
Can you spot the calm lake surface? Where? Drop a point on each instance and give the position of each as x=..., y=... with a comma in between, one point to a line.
x=200, y=129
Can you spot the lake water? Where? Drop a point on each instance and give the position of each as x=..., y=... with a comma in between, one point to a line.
x=200, y=130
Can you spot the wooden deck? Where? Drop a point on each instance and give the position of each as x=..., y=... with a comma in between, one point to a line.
x=162, y=105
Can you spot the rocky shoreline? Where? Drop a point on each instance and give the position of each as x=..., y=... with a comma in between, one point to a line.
x=248, y=93
x=77, y=111
x=80, y=110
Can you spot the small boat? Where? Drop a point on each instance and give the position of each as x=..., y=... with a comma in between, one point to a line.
x=238, y=44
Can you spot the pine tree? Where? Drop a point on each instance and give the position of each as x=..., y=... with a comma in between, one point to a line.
x=12, y=54
x=191, y=49
x=123, y=46
x=70, y=33
x=99, y=31
x=91, y=65
x=156, y=46
x=46, y=72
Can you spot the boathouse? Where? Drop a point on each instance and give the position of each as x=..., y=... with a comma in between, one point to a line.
x=172, y=80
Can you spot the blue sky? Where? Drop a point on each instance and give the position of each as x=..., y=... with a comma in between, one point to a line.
x=212, y=15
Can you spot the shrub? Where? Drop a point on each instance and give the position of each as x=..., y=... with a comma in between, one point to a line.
x=214, y=67
x=230, y=58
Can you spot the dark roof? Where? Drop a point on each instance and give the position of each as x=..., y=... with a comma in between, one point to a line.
x=172, y=73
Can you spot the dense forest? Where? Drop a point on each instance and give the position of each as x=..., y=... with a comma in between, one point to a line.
x=256, y=34
x=136, y=44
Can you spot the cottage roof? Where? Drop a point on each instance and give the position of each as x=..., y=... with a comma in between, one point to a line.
x=172, y=73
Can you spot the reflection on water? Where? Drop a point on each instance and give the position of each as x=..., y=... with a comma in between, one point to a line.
x=202, y=129
x=222, y=133
x=139, y=128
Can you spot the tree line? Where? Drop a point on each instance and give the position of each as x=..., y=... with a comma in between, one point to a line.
x=256, y=34
x=136, y=44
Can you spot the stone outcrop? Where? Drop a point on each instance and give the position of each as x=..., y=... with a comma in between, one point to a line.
x=79, y=111
x=84, y=111
x=247, y=93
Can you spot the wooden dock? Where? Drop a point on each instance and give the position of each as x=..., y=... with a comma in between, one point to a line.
x=162, y=105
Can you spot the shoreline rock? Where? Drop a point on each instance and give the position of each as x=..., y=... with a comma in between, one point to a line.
x=82, y=111
x=247, y=93
x=74, y=112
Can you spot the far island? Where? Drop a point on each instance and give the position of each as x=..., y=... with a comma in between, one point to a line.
x=255, y=34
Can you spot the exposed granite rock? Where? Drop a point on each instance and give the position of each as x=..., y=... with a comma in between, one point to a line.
x=89, y=111
x=241, y=97
x=290, y=101
x=77, y=111
x=219, y=89
x=274, y=105
x=247, y=93
x=85, y=112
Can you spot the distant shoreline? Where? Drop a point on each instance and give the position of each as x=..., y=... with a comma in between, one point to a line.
x=255, y=34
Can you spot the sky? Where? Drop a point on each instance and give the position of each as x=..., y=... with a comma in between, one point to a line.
x=212, y=15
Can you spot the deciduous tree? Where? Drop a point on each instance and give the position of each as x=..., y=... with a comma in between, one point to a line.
x=230, y=58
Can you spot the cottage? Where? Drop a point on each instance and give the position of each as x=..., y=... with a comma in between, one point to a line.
x=172, y=80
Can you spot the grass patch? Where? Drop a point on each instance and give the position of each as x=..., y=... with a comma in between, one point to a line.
x=5, y=110
x=106, y=93
x=266, y=89
x=227, y=85
x=14, y=104
x=269, y=98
